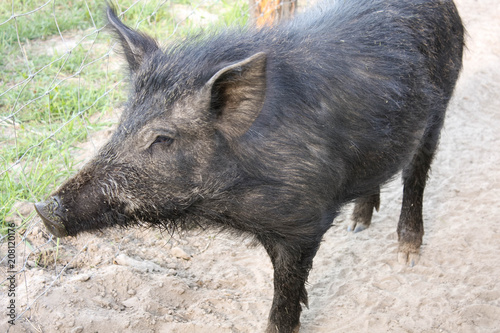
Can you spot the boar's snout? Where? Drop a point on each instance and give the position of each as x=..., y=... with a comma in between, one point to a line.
x=49, y=212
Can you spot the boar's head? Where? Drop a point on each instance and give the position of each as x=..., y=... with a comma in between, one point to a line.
x=172, y=148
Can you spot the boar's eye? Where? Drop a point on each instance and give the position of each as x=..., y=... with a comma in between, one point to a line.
x=163, y=139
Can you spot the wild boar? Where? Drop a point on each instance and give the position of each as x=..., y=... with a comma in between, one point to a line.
x=271, y=131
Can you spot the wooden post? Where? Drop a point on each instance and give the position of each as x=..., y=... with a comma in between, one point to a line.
x=267, y=12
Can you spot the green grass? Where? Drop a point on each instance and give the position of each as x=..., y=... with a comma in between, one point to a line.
x=54, y=93
x=41, y=24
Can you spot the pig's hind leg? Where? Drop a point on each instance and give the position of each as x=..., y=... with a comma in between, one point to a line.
x=411, y=226
x=363, y=210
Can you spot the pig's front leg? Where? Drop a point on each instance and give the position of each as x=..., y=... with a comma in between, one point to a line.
x=292, y=263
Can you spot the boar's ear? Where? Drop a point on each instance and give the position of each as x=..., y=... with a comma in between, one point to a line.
x=136, y=45
x=237, y=93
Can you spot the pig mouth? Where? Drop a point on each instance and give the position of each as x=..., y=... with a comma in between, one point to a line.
x=48, y=212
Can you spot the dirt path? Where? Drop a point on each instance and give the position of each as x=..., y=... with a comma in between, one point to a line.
x=142, y=281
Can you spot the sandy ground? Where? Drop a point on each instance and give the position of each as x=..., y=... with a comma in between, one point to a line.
x=200, y=281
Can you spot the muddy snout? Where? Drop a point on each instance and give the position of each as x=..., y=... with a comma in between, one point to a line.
x=50, y=213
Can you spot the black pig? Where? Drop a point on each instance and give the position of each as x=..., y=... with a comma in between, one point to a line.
x=270, y=131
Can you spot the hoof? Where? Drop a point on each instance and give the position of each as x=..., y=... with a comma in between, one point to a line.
x=356, y=227
x=408, y=256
